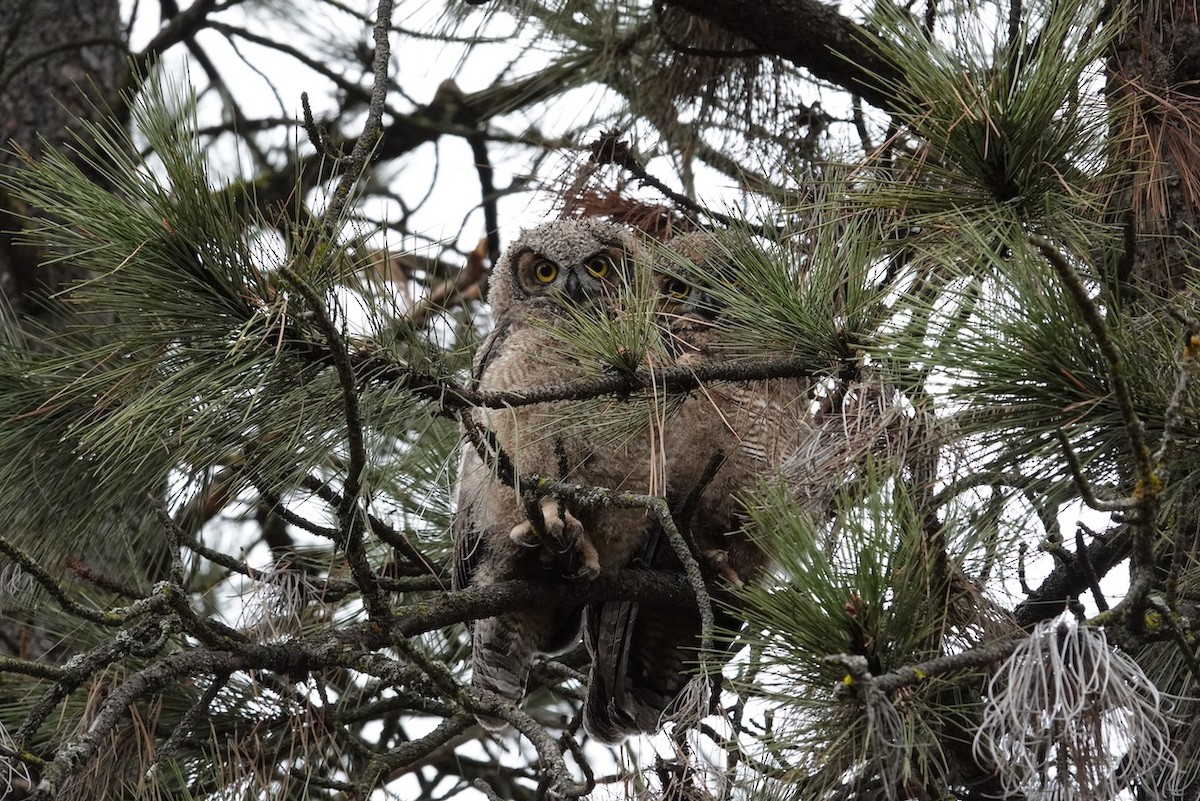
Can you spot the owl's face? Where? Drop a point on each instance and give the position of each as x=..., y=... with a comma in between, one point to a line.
x=685, y=303
x=582, y=262
x=580, y=281
x=687, y=296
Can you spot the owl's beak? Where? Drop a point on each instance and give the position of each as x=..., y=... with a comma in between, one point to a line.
x=707, y=308
x=576, y=291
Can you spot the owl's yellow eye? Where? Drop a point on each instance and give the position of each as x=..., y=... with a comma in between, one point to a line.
x=598, y=266
x=545, y=271
x=678, y=289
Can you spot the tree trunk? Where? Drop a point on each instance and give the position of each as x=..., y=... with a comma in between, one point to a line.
x=1155, y=67
x=60, y=61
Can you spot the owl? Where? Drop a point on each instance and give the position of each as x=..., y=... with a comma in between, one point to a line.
x=549, y=276
x=721, y=442
x=752, y=426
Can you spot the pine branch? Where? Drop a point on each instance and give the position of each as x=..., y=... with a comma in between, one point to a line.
x=348, y=510
x=350, y=647
x=1070, y=580
x=48, y=583
x=413, y=751
x=1149, y=483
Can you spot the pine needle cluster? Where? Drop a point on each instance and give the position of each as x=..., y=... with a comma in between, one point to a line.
x=864, y=594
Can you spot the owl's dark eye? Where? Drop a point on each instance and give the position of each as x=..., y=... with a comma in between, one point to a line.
x=545, y=271
x=598, y=266
x=677, y=289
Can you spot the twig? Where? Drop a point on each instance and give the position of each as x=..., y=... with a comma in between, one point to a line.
x=412, y=751
x=1149, y=483
x=181, y=27
x=348, y=511
x=1081, y=553
x=886, y=742
x=481, y=784
x=646, y=586
x=75, y=753
x=980, y=656
x=108, y=583
x=341, y=362
x=175, y=538
x=568, y=743
x=1173, y=417
x=1069, y=581
x=345, y=647
x=276, y=505
x=487, y=191
x=187, y=724
x=450, y=397
x=385, y=533
x=1184, y=640
x=1014, y=27
x=356, y=163
x=608, y=149
x=675, y=377
x=79, y=669
x=479, y=701
x=1083, y=485
x=317, y=136
x=350, y=89
x=51, y=586
x=988, y=478
x=37, y=669
x=1022, y=549
x=463, y=286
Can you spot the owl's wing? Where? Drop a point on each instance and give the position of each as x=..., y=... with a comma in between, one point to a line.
x=488, y=350
x=468, y=526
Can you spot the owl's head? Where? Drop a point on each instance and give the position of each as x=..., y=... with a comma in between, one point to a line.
x=686, y=277
x=577, y=261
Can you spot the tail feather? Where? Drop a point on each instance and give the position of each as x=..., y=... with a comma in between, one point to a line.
x=607, y=713
x=644, y=659
x=503, y=648
x=641, y=660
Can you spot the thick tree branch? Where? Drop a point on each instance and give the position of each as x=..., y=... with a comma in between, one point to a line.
x=810, y=34
x=1071, y=579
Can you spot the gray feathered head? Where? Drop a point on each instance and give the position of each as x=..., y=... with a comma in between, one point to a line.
x=573, y=260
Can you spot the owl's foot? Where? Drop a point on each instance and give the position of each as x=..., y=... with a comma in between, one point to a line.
x=718, y=560
x=566, y=534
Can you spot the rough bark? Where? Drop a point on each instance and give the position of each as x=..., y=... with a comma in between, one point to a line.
x=1155, y=66
x=60, y=61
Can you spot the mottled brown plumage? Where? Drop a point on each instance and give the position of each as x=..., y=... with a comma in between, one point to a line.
x=641, y=655
x=581, y=263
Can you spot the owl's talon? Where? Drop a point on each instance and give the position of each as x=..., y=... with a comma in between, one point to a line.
x=524, y=535
x=567, y=533
x=718, y=560
x=591, y=559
